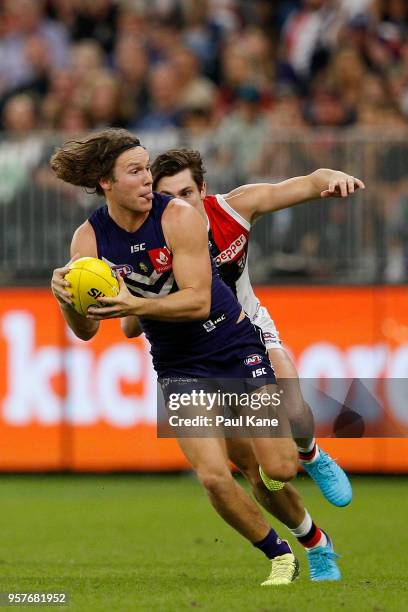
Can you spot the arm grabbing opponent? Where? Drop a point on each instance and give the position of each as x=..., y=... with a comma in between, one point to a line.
x=253, y=200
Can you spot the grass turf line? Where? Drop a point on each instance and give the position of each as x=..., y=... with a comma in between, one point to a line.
x=124, y=543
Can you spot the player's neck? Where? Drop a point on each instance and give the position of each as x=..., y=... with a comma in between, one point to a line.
x=128, y=220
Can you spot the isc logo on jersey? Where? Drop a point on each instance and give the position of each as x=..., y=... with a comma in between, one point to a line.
x=253, y=360
x=259, y=372
x=138, y=247
x=161, y=259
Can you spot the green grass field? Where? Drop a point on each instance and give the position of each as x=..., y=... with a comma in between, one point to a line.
x=124, y=543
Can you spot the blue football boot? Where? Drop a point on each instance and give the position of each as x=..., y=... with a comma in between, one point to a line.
x=330, y=478
x=322, y=562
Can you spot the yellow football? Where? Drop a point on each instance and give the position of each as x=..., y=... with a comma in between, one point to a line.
x=90, y=278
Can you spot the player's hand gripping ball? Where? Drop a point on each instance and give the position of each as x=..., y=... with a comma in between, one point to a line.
x=90, y=278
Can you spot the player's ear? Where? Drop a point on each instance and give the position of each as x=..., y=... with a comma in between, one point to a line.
x=203, y=190
x=105, y=183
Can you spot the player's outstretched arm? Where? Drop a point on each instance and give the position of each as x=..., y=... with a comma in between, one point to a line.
x=83, y=245
x=252, y=201
x=187, y=238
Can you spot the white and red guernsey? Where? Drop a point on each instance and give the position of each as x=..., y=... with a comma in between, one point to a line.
x=229, y=236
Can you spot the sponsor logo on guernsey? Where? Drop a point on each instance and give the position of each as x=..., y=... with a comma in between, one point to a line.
x=230, y=252
x=161, y=259
x=252, y=360
x=122, y=270
x=135, y=248
x=259, y=372
x=210, y=325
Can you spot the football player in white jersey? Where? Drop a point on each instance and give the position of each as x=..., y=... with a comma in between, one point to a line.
x=180, y=173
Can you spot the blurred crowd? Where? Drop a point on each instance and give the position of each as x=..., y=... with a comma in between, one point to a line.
x=152, y=64
x=222, y=75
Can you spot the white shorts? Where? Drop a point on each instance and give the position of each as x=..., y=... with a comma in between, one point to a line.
x=270, y=334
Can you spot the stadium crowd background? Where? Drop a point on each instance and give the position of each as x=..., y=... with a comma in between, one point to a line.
x=265, y=89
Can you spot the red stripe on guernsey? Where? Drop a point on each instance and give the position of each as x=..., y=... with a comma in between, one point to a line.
x=230, y=231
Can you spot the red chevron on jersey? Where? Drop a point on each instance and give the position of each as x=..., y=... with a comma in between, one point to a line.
x=230, y=231
x=229, y=234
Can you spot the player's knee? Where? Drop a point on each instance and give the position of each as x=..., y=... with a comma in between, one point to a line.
x=283, y=469
x=215, y=482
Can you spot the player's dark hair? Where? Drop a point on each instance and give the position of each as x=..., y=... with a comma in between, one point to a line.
x=174, y=161
x=85, y=162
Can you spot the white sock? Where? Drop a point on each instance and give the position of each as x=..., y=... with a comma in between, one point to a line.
x=304, y=527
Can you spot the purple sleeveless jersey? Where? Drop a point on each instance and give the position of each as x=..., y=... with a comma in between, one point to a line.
x=215, y=347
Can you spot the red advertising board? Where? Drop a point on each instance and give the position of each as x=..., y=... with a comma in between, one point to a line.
x=68, y=404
